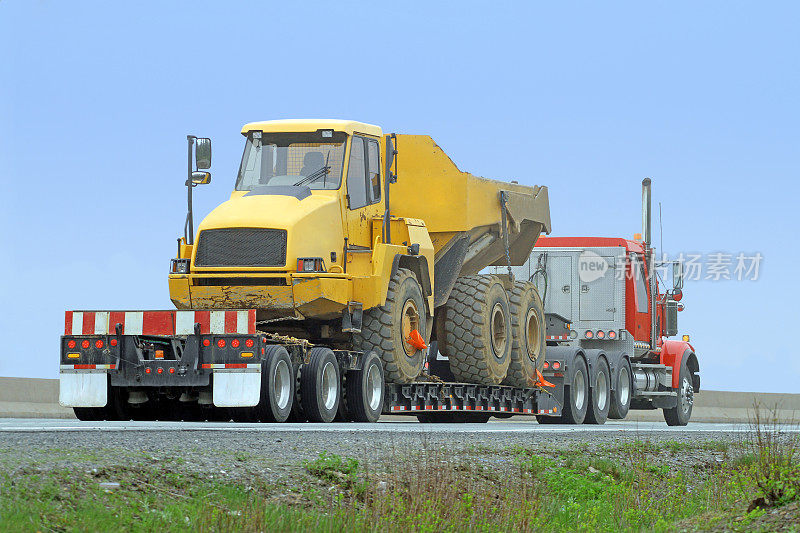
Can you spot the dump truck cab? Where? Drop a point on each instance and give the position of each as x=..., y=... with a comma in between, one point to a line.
x=302, y=228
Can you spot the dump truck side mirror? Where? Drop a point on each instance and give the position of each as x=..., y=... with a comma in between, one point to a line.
x=202, y=154
x=201, y=178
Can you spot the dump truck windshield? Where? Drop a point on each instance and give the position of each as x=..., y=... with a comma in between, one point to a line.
x=313, y=159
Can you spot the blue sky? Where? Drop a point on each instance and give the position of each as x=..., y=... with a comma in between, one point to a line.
x=587, y=98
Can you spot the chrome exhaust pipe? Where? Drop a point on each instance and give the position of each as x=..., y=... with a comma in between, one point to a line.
x=646, y=217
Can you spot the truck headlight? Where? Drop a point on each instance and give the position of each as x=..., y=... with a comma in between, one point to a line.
x=179, y=266
x=310, y=264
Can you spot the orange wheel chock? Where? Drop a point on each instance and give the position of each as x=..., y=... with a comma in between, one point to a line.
x=416, y=340
x=541, y=382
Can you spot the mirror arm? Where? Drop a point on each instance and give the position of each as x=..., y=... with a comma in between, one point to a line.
x=189, y=226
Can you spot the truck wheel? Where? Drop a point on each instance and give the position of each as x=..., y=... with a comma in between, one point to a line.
x=600, y=395
x=621, y=396
x=386, y=329
x=682, y=412
x=478, y=329
x=576, y=394
x=365, y=390
x=528, y=335
x=320, y=385
x=277, y=386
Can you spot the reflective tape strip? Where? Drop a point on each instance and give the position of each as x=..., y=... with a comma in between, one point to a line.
x=88, y=367
x=134, y=321
x=213, y=366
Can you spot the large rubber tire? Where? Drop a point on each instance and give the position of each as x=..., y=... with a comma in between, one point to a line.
x=622, y=394
x=382, y=329
x=576, y=394
x=600, y=395
x=277, y=386
x=682, y=412
x=478, y=330
x=528, y=335
x=320, y=385
x=365, y=390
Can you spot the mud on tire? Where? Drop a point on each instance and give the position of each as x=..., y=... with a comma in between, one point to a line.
x=478, y=330
x=528, y=335
x=382, y=329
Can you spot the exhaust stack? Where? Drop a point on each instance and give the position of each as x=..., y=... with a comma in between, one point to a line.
x=646, y=217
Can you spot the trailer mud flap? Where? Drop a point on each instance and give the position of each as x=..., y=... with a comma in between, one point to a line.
x=83, y=389
x=236, y=389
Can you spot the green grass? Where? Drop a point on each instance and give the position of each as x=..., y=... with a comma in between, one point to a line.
x=424, y=489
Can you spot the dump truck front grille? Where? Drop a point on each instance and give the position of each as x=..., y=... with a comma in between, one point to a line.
x=252, y=247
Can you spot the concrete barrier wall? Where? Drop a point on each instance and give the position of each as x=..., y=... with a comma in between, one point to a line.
x=38, y=398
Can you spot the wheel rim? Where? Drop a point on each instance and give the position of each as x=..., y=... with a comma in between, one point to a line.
x=281, y=384
x=374, y=387
x=410, y=321
x=330, y=387
x=532, y=332
x=578, y=390
x=498, y=331
x=601, y=388
x=624, y=386
x=687, y=395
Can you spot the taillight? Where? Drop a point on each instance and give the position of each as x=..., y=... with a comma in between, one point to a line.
x=612, y=334
x=221, y=343
x=588, y=334
x=546, y=365
x=113, y=342
x=147, y=371
x=171, y=370
x=160, y=370
x=601, y=334
x=206, y=342
x=98, y=343
x=556, y=365
x=71, y=344
x=235, y=343
x=85, y=344
x=249, y=343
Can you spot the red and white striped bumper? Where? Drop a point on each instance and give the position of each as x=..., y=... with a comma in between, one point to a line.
x=159, y=322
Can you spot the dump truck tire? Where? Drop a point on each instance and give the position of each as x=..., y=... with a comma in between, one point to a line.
x=321, y=385
x=621, y=395
x=385, y=329
x=528, y=335
x=478, y=330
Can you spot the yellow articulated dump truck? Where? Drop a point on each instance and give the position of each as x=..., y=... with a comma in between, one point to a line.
x=319, y=288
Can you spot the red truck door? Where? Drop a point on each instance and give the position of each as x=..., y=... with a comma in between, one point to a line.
x=638, y=306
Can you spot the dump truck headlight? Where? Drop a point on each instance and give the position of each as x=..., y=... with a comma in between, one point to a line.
x=310, y=264
x=179, y=266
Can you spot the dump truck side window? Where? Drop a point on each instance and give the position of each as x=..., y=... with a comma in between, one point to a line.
x=374, y=171
x=357, y=175
x=640, y=284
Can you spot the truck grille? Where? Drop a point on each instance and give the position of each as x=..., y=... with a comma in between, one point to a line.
x=252, y=247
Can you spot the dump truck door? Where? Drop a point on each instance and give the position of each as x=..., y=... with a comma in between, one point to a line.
x=637, y=297
x=363, y=195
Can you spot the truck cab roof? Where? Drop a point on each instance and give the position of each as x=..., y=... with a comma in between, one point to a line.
x=590, y=242
x=295, y=125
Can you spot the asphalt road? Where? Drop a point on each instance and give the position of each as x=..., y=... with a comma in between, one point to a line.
x=397, y=425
